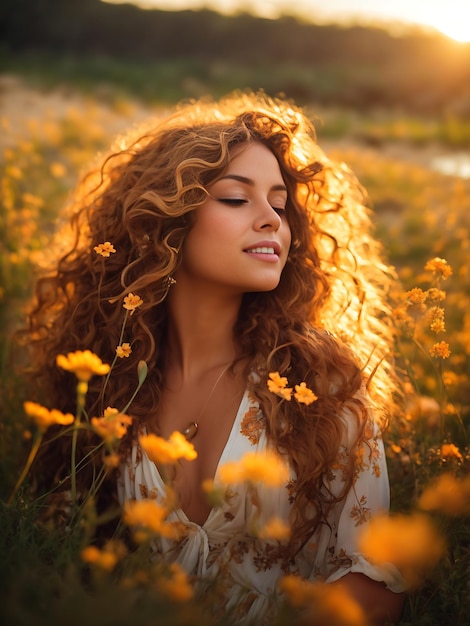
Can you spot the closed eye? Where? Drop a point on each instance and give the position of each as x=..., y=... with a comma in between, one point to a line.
x=233, y=201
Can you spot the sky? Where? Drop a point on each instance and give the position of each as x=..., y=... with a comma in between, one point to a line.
x=451, y=17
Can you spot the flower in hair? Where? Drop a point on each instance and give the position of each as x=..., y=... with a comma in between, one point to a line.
x=278, y=384
x=132, y=302
x=105, y=249
x=304, y=395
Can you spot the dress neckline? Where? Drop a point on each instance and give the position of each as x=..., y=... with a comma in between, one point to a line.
x=244, y=405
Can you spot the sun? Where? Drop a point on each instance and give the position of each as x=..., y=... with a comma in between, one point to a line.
x=459, y=31
x=449, y=20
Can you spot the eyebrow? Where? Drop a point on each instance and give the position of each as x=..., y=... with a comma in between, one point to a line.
x=251, y=182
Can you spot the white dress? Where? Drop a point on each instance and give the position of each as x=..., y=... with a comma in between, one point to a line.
x=245, y=568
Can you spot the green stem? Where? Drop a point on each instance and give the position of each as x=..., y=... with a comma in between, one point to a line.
x=29, y=462
x=82, y=388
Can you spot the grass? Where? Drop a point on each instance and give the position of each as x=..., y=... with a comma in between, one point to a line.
x=419, y=215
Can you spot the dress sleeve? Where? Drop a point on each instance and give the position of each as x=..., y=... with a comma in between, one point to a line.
x=337, y=542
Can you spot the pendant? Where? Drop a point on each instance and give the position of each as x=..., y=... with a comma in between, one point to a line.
x=190, y=431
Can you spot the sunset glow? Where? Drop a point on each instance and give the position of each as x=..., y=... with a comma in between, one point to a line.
x=450, y=18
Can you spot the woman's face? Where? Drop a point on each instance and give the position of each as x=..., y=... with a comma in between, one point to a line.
x=241, y=238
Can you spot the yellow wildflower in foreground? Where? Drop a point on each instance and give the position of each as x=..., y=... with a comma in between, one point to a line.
x=177, y=586
x=124, y=350
x=84, y=364
x=160, y=450
x=411, y=543
x=149, y=515
x=440, y=267
x=277, y=384
x=448, y=495
x=304, y=395
x=275, y=528
x=104, y=249
x=440, y=350
x=323, y=603
x=45, y=418
x=267, y=468
x=132, y=302
x=105, y=559
x=450, y=451
x=112, y=426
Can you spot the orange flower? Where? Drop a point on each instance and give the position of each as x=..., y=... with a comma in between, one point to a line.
x=150, y=516
x=160, y=450
x=416, y=296
x=132, y=302
x=84, y=364
x=275, y=528
x=124, y=350
x=112, y=426
x=267, y=468
x=440, y=350
x=278, y=385
x=304, y=395
x=106, y=558
x=104, y=249
x=440, y=267
x=411, y=543
x=177, y=586
x=448, y=495
x=45, y=418
x=324, y=603
x=449, y=450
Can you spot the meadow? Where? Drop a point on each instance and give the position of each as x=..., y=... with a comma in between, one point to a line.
x=423, y=219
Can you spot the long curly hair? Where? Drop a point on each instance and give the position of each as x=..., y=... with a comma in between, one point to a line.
x=327, y=322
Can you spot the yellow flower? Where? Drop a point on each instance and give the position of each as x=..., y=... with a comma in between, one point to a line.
x=132, y=302
x=275, y=528
x=440, y=267
x=177, y=586
x=448, y=495
x=150, y=515
x=416, y=296
x=440, y=350
x=45, y=418
x=267, y=468
x=58, y=170
x=84, y=364
x=436, y=319
x=112, y=426
x=411, y=543
x=124, y=350
x=106, y=558
x=105, y=249
x=304, y=395
x=111, y=461
x=449, y=450
x=324, y=603
x=160, y=450
x=278, y=385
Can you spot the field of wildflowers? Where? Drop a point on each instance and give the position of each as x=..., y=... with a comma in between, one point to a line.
x=55, y=577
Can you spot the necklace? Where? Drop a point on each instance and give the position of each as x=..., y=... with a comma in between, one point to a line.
x=192, y=428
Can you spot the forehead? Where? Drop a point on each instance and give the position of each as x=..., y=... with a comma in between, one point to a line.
x=252, y=159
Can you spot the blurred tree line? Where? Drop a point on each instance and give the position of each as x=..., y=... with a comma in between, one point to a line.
x=352, y=66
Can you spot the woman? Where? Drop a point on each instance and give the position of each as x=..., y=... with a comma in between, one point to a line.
x=249, y=258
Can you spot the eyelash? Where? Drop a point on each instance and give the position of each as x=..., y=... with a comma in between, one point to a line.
x=240, y=201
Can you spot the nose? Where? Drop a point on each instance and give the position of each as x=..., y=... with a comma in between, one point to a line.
x=267, y=218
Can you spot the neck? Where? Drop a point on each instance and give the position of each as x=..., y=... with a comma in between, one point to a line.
x=200, y=333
